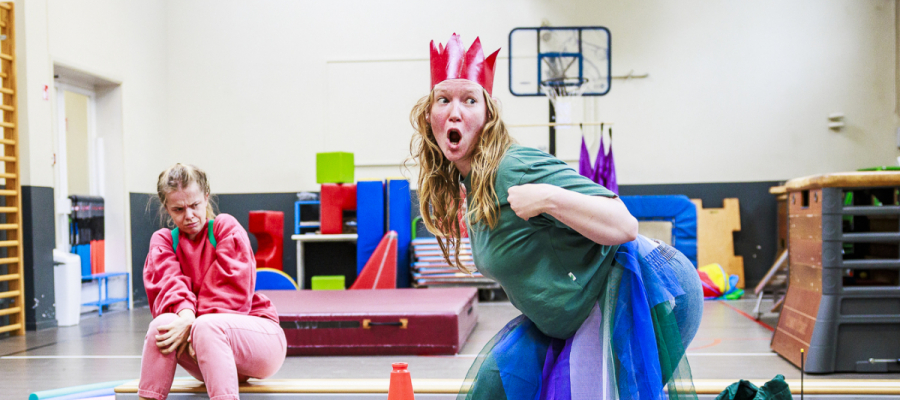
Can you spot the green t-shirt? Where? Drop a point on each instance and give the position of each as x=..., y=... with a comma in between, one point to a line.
x=550, y=272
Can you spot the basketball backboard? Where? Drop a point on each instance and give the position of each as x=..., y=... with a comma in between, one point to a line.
x=570, y=60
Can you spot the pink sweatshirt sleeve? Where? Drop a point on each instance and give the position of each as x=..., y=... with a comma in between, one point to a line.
x=228, y=284
x=168, y=289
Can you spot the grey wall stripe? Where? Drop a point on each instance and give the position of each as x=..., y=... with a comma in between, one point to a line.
x=755, y=242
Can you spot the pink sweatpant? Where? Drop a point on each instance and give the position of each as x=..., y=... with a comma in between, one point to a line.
x=230, y=348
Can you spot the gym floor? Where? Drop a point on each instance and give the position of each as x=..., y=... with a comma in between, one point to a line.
x=730, y=345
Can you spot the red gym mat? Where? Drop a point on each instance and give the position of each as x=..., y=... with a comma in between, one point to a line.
x=376, y=322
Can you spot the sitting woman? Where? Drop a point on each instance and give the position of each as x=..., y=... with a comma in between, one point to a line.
x=606, y=313
x=200, y=279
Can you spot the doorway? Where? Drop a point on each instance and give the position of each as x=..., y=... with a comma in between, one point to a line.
x=89, y=160
x=76, y=167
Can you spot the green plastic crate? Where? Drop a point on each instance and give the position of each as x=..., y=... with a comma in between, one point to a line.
x=334, y=167
x=328, y=282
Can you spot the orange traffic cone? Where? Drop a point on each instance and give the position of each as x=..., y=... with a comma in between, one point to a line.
x=401, y=383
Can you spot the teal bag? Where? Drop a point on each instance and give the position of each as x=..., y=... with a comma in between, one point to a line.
x=776, y=389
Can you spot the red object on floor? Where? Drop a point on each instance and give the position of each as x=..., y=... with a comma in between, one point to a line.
x=710, y=290
x=380, y=272
x=333, y=200
x=98, y=256
x=376, y=322
x=401, y=383
x=268, y=228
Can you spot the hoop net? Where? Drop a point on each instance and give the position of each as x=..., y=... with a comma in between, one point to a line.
x=560, y=82
x=555, y=92
x=565, y=93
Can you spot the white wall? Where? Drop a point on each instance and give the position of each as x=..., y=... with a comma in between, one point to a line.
x=256, y=92
x=34, y=70
x=741, y=91
x=737, y=91
x=121, y=41
x=122, y=45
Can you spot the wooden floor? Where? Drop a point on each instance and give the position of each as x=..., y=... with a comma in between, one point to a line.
x=729, y=346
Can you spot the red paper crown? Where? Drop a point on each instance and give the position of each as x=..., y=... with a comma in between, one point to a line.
x=451, y=63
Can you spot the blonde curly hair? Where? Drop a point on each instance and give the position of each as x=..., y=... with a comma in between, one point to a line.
x=439, y=181
x=178, y=177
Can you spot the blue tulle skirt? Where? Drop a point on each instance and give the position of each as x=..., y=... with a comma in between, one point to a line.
x=629, y=347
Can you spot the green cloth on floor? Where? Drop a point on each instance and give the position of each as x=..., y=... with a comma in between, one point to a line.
x=881, y=168
x=776, y=389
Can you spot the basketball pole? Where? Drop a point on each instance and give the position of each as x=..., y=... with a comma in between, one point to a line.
x=552, y=146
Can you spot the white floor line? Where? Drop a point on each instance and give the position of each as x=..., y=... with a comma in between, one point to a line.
x=454, y=356
x=64, y=357
x=690, y=354
x=743, y=300
x=732, y=354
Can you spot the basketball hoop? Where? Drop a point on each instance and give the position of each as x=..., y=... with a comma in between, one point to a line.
x=564, y=64
x=563, y=87
x=563, y=58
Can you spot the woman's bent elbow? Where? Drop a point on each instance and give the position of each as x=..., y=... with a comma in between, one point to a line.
x=630, y=229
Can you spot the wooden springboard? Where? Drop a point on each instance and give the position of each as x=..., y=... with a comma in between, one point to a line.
x=715, y=243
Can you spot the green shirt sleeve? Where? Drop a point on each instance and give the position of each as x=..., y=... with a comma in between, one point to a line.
x=535, y=166
x=550, y=272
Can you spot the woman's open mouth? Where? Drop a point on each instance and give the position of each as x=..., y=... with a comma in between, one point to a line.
x=454, y=136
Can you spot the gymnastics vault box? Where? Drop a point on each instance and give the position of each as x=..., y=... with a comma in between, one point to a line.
x=376, y=322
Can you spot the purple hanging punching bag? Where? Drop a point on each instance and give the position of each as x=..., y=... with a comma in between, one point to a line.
x=608, y=170
x=584, y=163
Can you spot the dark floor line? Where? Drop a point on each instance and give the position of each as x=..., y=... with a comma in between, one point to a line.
x=29, y=349
x=764, y=325
x=45, y=345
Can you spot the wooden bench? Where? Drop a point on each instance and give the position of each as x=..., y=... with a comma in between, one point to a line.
x=188, y=388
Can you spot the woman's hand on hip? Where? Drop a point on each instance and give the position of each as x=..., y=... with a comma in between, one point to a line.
x=531, y=199
x=175, y=335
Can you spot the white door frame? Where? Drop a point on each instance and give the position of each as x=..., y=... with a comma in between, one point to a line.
x=62, y=204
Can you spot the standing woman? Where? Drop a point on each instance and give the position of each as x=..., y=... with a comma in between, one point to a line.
x=200, y=279
x=607, y=313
